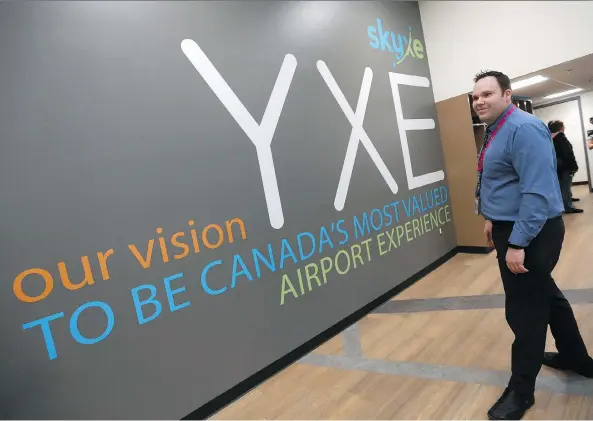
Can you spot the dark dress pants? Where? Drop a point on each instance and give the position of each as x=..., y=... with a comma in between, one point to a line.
x=533, y=301
x=565, y=181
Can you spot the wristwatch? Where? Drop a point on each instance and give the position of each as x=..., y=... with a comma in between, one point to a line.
x=513, y=246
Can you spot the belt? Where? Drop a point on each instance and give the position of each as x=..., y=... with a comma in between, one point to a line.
x=512, y=222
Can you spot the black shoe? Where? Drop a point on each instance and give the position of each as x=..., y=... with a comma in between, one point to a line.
x=575, y=199
x=511, y=406
x=573, y=210
x=555, y=360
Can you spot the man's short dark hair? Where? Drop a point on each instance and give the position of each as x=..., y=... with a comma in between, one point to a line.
x=555, y=126
x=503, y=80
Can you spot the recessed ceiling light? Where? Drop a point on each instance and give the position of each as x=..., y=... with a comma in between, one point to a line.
x=528, y=82
x=558, y=94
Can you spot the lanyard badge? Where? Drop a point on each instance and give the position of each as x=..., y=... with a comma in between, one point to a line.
x=487, y=142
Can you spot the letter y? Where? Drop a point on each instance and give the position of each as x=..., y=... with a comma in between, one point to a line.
x=261, y=135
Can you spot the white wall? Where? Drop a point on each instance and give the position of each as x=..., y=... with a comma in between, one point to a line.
x=515, y=37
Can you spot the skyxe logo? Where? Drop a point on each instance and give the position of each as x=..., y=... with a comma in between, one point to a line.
x=403, y=46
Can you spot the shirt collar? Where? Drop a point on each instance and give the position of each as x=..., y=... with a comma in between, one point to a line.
x=491, y=126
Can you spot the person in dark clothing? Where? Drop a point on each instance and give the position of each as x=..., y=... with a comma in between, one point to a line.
x=566, y=164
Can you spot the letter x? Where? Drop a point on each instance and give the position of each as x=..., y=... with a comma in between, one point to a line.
x=358, y=134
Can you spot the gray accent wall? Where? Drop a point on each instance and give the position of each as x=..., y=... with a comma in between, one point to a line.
x=157, y=248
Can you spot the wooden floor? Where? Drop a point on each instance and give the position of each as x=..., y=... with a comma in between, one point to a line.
x=439, y=350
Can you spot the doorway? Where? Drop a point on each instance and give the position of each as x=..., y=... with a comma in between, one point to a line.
x=570, y=113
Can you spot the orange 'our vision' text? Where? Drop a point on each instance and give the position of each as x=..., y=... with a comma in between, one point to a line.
x=212, y=237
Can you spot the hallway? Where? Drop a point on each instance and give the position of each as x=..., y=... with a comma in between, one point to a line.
x=439, y=350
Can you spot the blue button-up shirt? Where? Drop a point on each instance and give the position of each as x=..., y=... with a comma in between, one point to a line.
x=519, y=179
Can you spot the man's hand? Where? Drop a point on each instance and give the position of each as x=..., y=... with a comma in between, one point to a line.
x=515, y=260
x=488, y=233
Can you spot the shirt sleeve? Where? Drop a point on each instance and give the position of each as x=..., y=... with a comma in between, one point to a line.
x=532, y=156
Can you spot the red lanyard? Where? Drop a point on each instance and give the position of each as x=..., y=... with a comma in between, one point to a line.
x=501, y=122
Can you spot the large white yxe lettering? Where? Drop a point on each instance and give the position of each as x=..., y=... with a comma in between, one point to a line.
x=261, y=135
x=357, y=134
x=416, y=124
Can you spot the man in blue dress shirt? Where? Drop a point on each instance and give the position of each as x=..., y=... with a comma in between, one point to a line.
x=519, y=196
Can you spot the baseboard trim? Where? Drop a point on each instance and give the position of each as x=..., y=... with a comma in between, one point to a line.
x=580, y=183
x=231, y=395
x=474, y=249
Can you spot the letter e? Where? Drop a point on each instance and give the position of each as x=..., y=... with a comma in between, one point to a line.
x=405, y=125
x=170, y=293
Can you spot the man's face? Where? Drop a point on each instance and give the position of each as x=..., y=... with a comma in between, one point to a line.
x=488, y=99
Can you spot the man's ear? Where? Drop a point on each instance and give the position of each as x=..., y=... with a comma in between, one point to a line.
x=508, y=94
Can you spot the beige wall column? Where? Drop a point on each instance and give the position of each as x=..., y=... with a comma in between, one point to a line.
x=459, y=141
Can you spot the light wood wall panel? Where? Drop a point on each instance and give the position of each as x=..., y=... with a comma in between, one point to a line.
x=459, y=148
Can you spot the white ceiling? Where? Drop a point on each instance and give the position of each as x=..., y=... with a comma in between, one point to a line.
x=572, y=74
